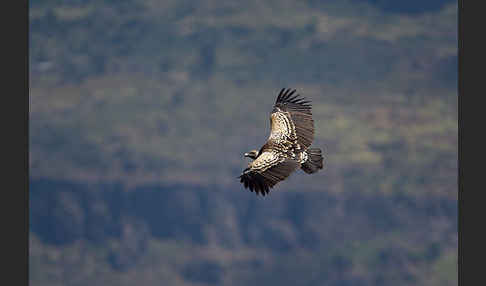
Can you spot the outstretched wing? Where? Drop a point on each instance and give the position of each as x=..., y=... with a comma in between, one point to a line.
x=267, y=170
x=291, y=119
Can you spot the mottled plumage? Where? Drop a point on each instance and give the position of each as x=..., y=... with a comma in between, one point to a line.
x=287, y=147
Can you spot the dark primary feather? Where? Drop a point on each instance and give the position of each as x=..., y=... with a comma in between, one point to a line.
x=255, y=182
x=287, y=102
x=261, y=182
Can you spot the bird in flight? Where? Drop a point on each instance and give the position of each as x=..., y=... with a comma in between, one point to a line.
x=287, y=147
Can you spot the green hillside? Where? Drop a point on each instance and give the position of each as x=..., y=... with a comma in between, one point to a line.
x=140, y=112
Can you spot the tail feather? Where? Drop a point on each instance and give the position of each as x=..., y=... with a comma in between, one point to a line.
x=314, y=161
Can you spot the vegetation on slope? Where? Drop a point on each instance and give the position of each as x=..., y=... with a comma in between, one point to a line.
x=140, y=112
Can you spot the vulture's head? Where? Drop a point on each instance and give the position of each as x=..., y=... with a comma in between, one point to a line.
x=252, y=154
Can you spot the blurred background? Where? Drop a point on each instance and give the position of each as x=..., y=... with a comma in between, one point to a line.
x=141, y=110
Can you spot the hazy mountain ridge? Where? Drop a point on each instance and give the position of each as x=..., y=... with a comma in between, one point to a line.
x=140, y=112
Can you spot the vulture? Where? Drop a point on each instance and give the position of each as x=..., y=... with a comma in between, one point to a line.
x=287, y=148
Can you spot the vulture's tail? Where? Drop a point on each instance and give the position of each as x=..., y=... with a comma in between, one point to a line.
x=314, y=161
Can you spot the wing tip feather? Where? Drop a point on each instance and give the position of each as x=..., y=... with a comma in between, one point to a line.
x=285, y=97
x=255, y=183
